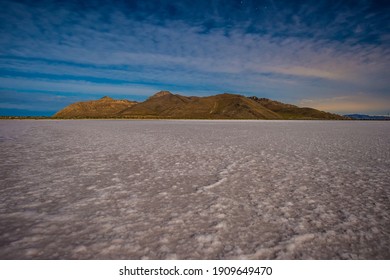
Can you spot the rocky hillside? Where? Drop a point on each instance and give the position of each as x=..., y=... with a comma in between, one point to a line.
x=166, y=105
x=105, y=107
x=288, y=111
x=222, y=106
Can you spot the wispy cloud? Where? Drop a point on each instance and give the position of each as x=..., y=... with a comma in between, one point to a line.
x=80, y=87
x=288, y=52
x=307, y=72
x=358, y=103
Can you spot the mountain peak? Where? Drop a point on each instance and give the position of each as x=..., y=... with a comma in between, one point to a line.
x=106, y=98
x=161, y=93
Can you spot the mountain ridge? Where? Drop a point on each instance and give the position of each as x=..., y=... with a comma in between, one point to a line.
x=166, y=105
x=104, y=107
x=289, y=111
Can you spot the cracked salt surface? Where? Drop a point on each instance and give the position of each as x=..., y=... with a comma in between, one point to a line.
x=194, y=190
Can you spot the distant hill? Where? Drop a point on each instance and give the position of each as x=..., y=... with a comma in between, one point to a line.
x=105, y=107
x=367, y=117
x=166, y=105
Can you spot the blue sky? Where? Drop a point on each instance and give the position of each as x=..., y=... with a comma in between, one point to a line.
x=330, y=55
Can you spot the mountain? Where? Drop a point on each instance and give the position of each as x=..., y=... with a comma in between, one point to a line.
x=288, y=111
x=367, y=117
x=105, y=107
x=223, y=106
x=166, y=105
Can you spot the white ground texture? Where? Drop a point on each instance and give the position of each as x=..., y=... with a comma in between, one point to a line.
x=106, y=189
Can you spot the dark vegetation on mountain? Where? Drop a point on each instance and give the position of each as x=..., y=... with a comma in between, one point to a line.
x=165, y=105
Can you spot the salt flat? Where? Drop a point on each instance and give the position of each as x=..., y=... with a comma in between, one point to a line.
x=107, y=189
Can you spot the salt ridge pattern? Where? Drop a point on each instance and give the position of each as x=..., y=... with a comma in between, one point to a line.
x=105, y=189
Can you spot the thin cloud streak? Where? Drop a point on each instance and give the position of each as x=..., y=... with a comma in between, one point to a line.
x=361, y=102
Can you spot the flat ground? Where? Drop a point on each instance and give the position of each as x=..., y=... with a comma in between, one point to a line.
x=98, y=189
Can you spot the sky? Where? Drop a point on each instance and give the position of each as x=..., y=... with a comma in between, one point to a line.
x=329, y=55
